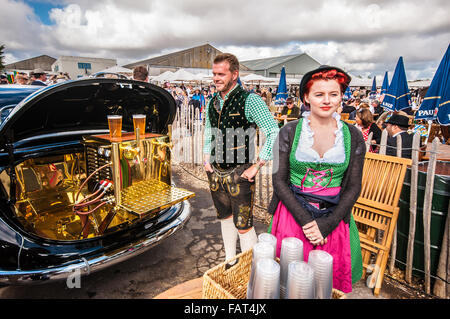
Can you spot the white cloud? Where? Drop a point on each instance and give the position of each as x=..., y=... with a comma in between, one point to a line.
x=361, y=36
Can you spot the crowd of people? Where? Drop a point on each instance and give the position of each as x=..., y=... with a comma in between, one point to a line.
x=363, y=110
x=361, y=107
x=36, y=77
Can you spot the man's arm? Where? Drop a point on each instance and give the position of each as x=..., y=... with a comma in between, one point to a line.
x=257, y=111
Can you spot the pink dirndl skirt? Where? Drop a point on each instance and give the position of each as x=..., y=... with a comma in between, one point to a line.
x=338, y=242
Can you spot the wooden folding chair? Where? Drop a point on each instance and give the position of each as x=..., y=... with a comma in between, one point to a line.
x=376, y=210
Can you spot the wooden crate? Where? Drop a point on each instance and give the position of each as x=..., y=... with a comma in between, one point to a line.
x=221, y=282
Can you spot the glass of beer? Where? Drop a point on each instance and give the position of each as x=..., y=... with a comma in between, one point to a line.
x=139, y=121
x=115, y=126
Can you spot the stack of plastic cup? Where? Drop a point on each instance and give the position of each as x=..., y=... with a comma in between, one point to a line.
x=267, y=279
x=300, y=281
x=322, y=263
x=259, y=251
x=291, y=250
x=268, y=238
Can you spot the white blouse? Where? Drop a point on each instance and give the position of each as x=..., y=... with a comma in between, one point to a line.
x=305, y=152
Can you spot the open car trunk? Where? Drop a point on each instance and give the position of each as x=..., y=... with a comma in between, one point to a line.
x=65, y=179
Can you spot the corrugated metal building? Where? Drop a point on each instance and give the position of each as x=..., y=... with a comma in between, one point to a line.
x=296, y=65
x=195, y=60
x=43, y=61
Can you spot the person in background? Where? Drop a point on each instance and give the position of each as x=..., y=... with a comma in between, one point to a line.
x=21, y=79
x=356, y=104
x=39, y=77
x=318, y=164
x=377, y=109
x=140, y=73
x=205, y=97
x=347, y=108
x=398, y=125
x=365, y=123
x=3, y=79
x=198, y=100
x=289, y=111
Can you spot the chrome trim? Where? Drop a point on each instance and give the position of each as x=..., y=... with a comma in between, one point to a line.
x=88, y=266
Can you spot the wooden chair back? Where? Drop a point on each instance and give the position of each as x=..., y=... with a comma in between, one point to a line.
x=376, y=210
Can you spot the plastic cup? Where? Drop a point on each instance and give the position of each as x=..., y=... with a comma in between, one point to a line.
x=322, y=263
x=260, y=250
x=267, y=279
x=115, y=126
x=139, y=121
x=269, y=238
x=300, y=282
x=291, y=250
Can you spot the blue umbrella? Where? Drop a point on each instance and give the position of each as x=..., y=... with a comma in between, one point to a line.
x=373, y=91
x=385, y=85
x=397, y=97
x=436, y=103
x=347, y=94
x=282, y=89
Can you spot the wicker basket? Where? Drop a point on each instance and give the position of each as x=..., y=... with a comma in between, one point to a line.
x=222, y=282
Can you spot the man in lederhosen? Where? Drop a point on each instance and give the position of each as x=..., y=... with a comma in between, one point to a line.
x=232, y=116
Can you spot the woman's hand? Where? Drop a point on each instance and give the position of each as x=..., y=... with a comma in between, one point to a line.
x=312, y=232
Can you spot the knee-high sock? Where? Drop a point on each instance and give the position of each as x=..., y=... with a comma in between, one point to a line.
x=229, y=235
x=248, y=239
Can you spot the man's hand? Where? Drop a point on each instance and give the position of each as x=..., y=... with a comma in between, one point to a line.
x=250, y=173
x=207, y=164
x=208, y=167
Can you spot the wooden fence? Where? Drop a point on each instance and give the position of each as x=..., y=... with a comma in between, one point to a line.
x=187, y=137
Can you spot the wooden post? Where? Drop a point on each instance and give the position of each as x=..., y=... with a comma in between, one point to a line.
x=394, y=235
x=412, y=205
x=442, y=284
x=427, y=210
x=383, y=142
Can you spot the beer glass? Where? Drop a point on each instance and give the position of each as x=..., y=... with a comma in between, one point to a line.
x=139, y=121
x=115, y=126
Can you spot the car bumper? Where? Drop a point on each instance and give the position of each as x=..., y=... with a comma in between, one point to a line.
x=85, y=266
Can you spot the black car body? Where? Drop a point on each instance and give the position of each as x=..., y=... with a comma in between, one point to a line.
x=45, y=144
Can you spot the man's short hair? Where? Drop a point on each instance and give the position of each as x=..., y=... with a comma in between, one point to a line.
x=230, y=58
x=140, y=73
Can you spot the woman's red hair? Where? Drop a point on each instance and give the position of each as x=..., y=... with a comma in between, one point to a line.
x=333, y=74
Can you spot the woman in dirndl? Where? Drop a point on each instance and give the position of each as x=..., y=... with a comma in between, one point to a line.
x=317, y=173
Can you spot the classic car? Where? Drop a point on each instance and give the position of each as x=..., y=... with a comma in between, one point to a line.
x=71, y=197
x=12, y=94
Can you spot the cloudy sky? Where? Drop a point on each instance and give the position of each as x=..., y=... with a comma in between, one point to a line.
x=365, y=37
